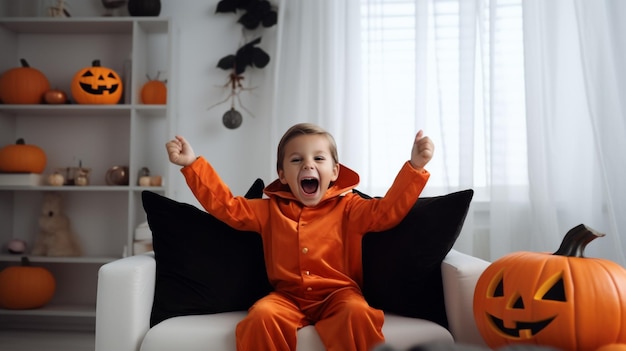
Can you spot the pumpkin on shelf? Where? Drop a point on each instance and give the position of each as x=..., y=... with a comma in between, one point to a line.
x=563, y=300
x=154, y=91
x=54, y=97
x=23, y=85
x=56, y=179
x=25, y=286
x=22, y=158
x=97, y=85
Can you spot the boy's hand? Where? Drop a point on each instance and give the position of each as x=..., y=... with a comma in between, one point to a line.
x=180, y=152
x=422, y=152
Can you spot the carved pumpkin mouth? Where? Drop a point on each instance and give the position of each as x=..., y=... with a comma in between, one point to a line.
x=100, y=89
x=522, y=330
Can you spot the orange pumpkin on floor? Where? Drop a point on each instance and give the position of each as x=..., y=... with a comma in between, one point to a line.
x=563, y=300
x=23, y=85
x=97, y=85
x=26, y=286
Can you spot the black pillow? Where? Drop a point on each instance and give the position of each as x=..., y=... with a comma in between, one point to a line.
x=402, y=266
x=203, y=266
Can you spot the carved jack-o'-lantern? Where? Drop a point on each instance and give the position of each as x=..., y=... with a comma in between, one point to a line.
x=97, y=85
x=562, y=300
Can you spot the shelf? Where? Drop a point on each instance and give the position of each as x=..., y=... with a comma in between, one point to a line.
x=45, y=259
x=80, y=110
x=69, y=110
x=55, y=311
x=87, y=188
x=82, y=25
x=103, y=217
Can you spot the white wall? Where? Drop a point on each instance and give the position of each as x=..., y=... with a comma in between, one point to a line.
x=201, y=38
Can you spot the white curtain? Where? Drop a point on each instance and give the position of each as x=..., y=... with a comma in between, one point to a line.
x=576, y=99
x=317, y=72
x=523, y=99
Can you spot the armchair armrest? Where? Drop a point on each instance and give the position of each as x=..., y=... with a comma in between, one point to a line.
x=460, y=272
x=124, y=302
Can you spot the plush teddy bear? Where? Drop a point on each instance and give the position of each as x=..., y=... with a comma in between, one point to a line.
x=55, y=237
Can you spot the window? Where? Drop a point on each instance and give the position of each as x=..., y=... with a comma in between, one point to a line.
x=455, y=69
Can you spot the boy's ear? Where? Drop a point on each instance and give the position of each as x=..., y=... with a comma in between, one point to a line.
x=335, y=172
x=281, y=176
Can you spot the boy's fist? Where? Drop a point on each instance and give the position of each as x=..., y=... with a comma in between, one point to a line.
x=180, y=151
x=422, y=151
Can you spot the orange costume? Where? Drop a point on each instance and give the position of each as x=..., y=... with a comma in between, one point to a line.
x=312, y=255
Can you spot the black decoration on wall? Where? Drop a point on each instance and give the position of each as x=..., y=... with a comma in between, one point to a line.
x=144, y=7
x=255, y=14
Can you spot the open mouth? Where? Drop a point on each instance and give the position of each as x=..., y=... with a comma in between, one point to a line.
x=309, y=185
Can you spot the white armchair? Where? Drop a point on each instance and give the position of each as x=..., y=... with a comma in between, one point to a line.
x=125, y=297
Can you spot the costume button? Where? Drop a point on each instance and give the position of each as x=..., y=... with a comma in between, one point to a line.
x=305, y=250
x=309, y=288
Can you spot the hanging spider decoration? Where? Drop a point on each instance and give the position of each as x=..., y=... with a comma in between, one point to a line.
x=232, y=118
x=247, y=55
x=256, y=13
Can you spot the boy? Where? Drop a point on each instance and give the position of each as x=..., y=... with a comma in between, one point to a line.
x=311, y=226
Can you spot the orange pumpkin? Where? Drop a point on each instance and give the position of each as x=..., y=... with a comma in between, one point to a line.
x=22, y=158
x=97, y=85
x=23, y=85
x=563, y=300
x=25, y=286
x=154, y=91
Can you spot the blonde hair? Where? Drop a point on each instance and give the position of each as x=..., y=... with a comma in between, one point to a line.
x=304, y=129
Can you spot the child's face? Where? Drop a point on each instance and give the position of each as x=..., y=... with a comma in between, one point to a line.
x=308, y=168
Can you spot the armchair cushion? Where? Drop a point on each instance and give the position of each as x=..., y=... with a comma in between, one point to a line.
x=402, y=266
x=203, y=266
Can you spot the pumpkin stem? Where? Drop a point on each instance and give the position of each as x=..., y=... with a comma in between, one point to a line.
x=95, y=63
x=24, y=63
x=20, y=141
x=156, y=78
x=25, y=261
x=575, y=241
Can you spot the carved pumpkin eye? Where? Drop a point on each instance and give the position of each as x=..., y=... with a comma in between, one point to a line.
x=496, y=289
x=553, y=289
x=111, y=75
x=88, y=74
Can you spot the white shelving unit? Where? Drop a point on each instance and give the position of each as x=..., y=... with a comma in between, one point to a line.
x=130, y=134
